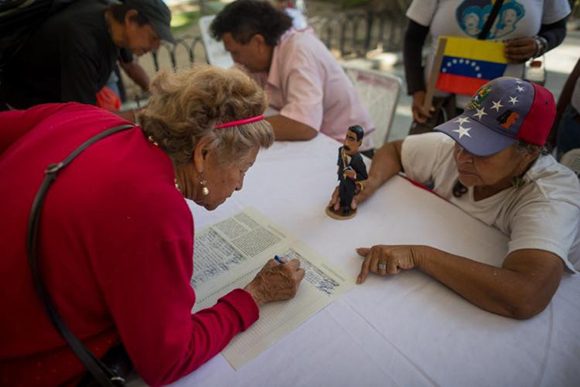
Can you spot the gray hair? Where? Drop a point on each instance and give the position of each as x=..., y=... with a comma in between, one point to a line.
x=524, y=147
x=185, y=106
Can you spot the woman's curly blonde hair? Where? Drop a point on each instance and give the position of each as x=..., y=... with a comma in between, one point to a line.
x=185, y=107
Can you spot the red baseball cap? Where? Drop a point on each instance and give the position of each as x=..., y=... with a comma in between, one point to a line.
x=501, y=113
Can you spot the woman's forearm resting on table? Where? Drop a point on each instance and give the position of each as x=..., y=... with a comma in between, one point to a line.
x=287, y=129
x=521, y=288
x=386, y=164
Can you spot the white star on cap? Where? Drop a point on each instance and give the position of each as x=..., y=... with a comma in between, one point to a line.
x=497, y=105
x=463, y=131
x=480, y=113
x=518, y=81
x=462, y=120
x=514, y=100
x=519, y=88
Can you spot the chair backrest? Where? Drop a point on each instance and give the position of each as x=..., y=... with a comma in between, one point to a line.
x=379, y=93
x=215, y=52
x=571, y=159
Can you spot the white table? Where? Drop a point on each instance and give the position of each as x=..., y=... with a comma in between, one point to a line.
x=406, y=330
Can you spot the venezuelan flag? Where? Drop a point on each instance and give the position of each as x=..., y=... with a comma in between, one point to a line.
x=469, y=63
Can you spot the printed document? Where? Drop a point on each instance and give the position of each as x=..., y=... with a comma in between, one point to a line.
x=230, y=253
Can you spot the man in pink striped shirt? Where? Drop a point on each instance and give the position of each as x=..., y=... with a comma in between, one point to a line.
x=304, y=82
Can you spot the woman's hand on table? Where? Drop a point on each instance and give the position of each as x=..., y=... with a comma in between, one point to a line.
x=387, y=260
x=276, y=282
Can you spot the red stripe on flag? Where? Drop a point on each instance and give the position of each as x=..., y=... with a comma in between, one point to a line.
x=459, y=84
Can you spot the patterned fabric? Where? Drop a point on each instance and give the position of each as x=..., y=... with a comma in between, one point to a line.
x=502, y=112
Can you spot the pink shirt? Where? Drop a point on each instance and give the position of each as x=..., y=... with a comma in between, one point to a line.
x=305, y=83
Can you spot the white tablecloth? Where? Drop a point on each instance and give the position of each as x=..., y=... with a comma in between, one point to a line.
x=406, y=330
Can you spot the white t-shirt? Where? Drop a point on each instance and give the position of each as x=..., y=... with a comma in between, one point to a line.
x=466, y=18
x=542, y=214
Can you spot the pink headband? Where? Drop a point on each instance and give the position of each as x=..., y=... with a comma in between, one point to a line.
x=240, y=122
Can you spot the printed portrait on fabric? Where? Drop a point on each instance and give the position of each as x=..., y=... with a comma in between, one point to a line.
x=471, y=16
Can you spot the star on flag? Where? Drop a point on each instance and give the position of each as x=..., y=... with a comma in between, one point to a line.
x=519, y=88
x=514, y=100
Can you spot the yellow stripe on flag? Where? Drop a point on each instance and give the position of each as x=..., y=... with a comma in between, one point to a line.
x=476, y=49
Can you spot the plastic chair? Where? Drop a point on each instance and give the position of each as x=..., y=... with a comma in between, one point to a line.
x=379, y=93
x=571, y=159
x=215, y=52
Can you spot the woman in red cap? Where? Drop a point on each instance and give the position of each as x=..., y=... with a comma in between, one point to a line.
x=489, y=162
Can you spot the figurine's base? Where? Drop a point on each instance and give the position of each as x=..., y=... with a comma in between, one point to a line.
x=339, y=215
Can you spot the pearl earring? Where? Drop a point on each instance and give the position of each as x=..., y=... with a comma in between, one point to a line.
x=204, y=189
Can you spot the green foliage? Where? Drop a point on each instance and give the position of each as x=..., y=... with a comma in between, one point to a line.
x=182, y=21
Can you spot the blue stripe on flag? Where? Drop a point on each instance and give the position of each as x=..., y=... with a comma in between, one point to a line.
x=472, y=68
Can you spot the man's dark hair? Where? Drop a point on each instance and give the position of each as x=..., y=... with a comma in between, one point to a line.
x=358, y=130
x=118, y=11
x=246, y=18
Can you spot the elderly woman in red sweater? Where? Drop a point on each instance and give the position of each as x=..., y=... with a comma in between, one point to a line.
x=116, y=235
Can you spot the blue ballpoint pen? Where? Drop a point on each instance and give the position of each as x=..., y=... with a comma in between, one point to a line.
x=279, y=259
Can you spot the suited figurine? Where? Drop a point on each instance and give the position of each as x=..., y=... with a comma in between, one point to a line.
x=351, y=173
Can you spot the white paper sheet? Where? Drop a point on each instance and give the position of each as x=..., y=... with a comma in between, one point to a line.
x=230, y=253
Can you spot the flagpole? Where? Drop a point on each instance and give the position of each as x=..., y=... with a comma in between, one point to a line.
x=434, y=74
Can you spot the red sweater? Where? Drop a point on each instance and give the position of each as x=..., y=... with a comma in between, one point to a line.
x=116, y=248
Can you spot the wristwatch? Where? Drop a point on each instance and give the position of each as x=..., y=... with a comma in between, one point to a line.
x=541, y=45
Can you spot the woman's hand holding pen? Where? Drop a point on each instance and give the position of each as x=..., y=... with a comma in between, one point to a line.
x=276, y=282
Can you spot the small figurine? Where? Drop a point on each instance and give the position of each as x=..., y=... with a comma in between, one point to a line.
x=352, y=171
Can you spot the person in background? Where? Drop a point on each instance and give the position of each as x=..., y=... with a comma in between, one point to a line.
x=112, y=95
x=528, y=28
x=489, y=162
x=301, y=77
x=116, y=235
x=71, y=55
x=129, y=64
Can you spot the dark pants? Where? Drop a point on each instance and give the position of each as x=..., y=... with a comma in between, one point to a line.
x=346, y=190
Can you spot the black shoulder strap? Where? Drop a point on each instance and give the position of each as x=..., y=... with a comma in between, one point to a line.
x=489, y=22
x=102, y=374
